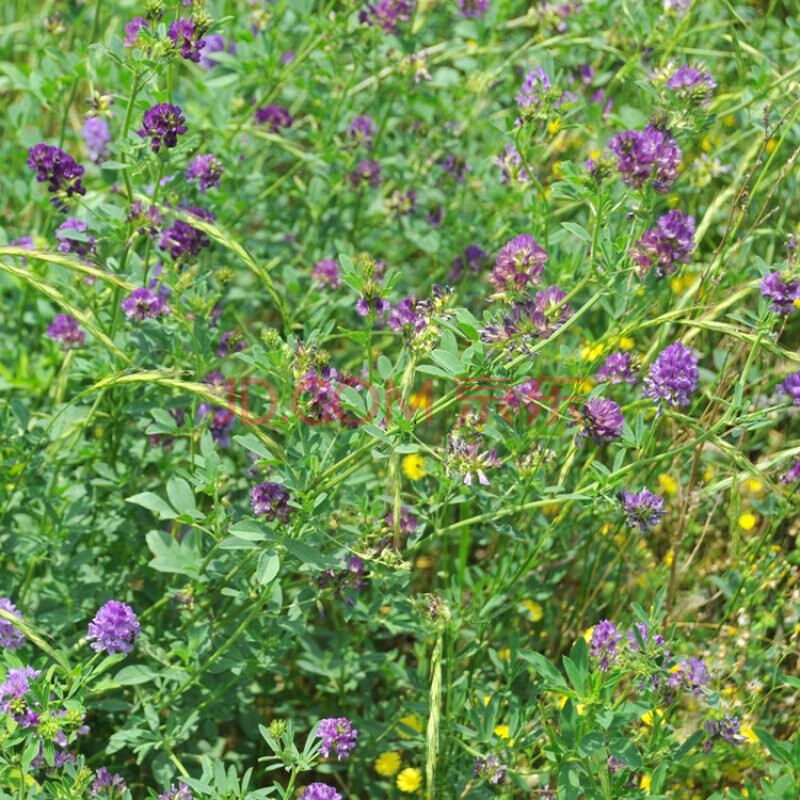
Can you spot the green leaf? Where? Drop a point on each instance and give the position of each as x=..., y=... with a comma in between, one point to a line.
x=154, y=503
x=269, y=564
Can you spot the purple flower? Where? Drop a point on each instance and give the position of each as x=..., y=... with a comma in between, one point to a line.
x=728, y=729
x=64, y=330
x=407, y=524
x=677, y=6
x=467, y=461
x=271, y=500
x=230, y=342
x=549, y=311
x=603, y=644
x=215, y=43
x=519, y=264
x=337, y=734
x=275, y=116
x=220, y=425
x=644, y=634
x=616, y=369
x=536, y=82
x=670, y=243
x=97, y=137
x=12, y=694
x=179, y=792
x=62, y=173
x=643, y=509
x=782, y=293
x=471, y=261
x=206, y=170
x=601, y=419
x=186, y=34
x=114, y=628
x=456, y=166
x=388, y=14
x=83, y=246
x=527, y=395
x=690, y=675
x=104, y=781
x=691, y=84
x=651, y=154
x=132, y=30
x=792, y=475
x=366, y=171
x=791, y=387
x=489, y=768
x=473, y=9
x=320, y=791
x=362, y=129
x=511, y=169
x=182, y=240
x=163, y=123
x=406, y=316
x=10, y=638
x=673, y=376
x=402, y=203
x=144, y=303
x=326, y=273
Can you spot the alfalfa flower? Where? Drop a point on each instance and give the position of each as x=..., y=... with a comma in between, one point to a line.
x=179, y=792
x=114, y=628
x=82, y=245
x=643, y=509
x=11, y=638
x=108, y=784
x=271, y=500
x=781, y=291
x=184, y=241
x=791, y=388
x=97, y=137
x=519, y=264
x=188, y=35
x=273, y=116
x=691, y=675
x=692, y=84
x=617, y=368
x=603, y=644
x=792, y=475
x=601, y=419
x=320, y=791
x=409, y=780
x=338, y=735
x=673, y=376
x=473, y=9
x=132, y=30
x=206, y=170
x=650, y=155
x=489, y=768
x=669, y=243
x=366, y=171
x=512, y=170
x=163, y=123
x=326, y=273
x=388, y=14
x=144, y=303
x=361, y=131
x=64, y=330
x=61, y=172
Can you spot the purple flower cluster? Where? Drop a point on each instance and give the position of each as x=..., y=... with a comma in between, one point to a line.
x=792, y=475
x=791, y=387
x=179, y=792
x=670, y=243
x=601, y=419
x=691, y=84
x=97, y=137
x=186, y=34
x=206, y=170
x=527, y=395
x=728, y=729
x=352, y=577
x=338, y=735
x=361, y=130
x=690, y=675
x=781, y=293
x=81, y=247
x=643, y=509
x=673, y=376
x=603, y=644
x=326, y=273
x=466, y=460
x=274, y=116
x=617, y=368
x=489, y=768
x=105, y=782
x=144, y=303
x=10, y=638
x=61, y=172
x=536, y=82
x=408, y=316
x=388, y=14
x=641, y=631
x=511, y=169
x=132, y=30
x=473, y=9
x=320, y=791
x=407, y=524
x=271, y=500
x=163, y=123
x=12, y=693
x=114, y=628
x=470, y=262
x=64, y=330
x=183, y=241
x=215, y=43
x=649, y=155
x=519, y=264
x=366, y=171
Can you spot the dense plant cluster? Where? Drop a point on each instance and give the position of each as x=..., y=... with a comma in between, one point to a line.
x=400, y=399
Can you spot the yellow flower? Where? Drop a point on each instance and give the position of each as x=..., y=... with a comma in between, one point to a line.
x=649, y=717
x=730, y=120
x=667, y=483
x=409, y=780
x=557, y=169
x=748, y=521
x=749, y=734
x=673, y=201
x=771, y=145
x=626, y=343
x=587, y=634
x=413, y=466
x=535, y=609
x=669, y=557
x=504, y=654
x=590, y=352
x=503, y=731
x=410, y=721
x=595, y=153
x=553, y=126
x=487, y=698
x=423, y=562
x=681, y=283
x=387, y=764
x=645, y=782
x=708, y=474
x=421, y=399
x=796, y=303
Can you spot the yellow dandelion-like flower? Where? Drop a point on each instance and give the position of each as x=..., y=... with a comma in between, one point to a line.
x=554, y=126
x=504, y=653
x=595, y=153
x=796, y=303
x=749, y=734
x=626, y=343
x=669, y=557
x=410, y=721
x=503, y=731
x=420, y=400
x=535, y=609
x=423, y=562
x=645, y=782
x=673, y=201
x=413, y=466
x=649, y=717
x=681, y=283
x=409, y=780
x=730, y=120
x=668, y=484
x=487, y=698
x=771, y=145
x=590, y=352
x=587, y=634
x=387, y=764
x=748, y=521
x=557, y=169
x=708, y=474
